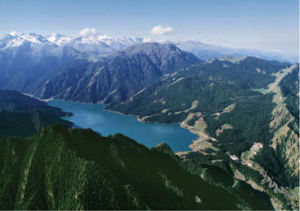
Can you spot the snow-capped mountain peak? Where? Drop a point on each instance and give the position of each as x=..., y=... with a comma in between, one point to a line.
x=88, y=39
x=14, y=39
x=53, y=37
x=91, y=44
x=33, y=38
x=13, y=33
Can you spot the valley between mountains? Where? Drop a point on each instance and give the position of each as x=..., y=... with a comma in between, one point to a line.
x=243, y=109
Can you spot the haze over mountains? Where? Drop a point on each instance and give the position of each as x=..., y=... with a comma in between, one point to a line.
x=90, y=43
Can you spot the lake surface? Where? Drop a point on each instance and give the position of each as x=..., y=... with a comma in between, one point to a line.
x=95, y=117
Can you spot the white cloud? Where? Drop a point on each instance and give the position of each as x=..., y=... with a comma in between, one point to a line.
x=88, y=31
x=161, y=30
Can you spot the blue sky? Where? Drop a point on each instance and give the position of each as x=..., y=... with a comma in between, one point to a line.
x=261, y=24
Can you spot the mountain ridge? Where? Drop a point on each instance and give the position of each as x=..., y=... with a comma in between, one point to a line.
x=119, y=76
x=91, y=41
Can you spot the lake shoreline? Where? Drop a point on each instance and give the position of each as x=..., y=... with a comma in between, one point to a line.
x=181, y=124
x=105, y=121
x=119, y=113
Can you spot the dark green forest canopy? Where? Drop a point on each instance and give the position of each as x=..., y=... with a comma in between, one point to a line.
x=21, y=115
x=60, y=168
x=290, y=89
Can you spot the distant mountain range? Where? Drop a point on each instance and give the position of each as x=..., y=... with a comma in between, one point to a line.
x=209, y=51
x=90, y=44
x=27, y=61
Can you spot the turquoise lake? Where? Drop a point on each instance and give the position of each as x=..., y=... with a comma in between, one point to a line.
x=104, y=122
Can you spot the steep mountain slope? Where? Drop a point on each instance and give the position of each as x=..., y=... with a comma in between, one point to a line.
x=21, y=115
x=214, y=85
x=118, y=76
x=60, y=168
x=236, y=109
x=18, y=53
x=27, y=61
x=26, y=68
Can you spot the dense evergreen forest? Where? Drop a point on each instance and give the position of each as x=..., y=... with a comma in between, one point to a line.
x=60, y=168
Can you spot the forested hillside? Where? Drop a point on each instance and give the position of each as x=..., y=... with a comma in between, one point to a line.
x=60, y=168
x=241, y=109
x=21, y=115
